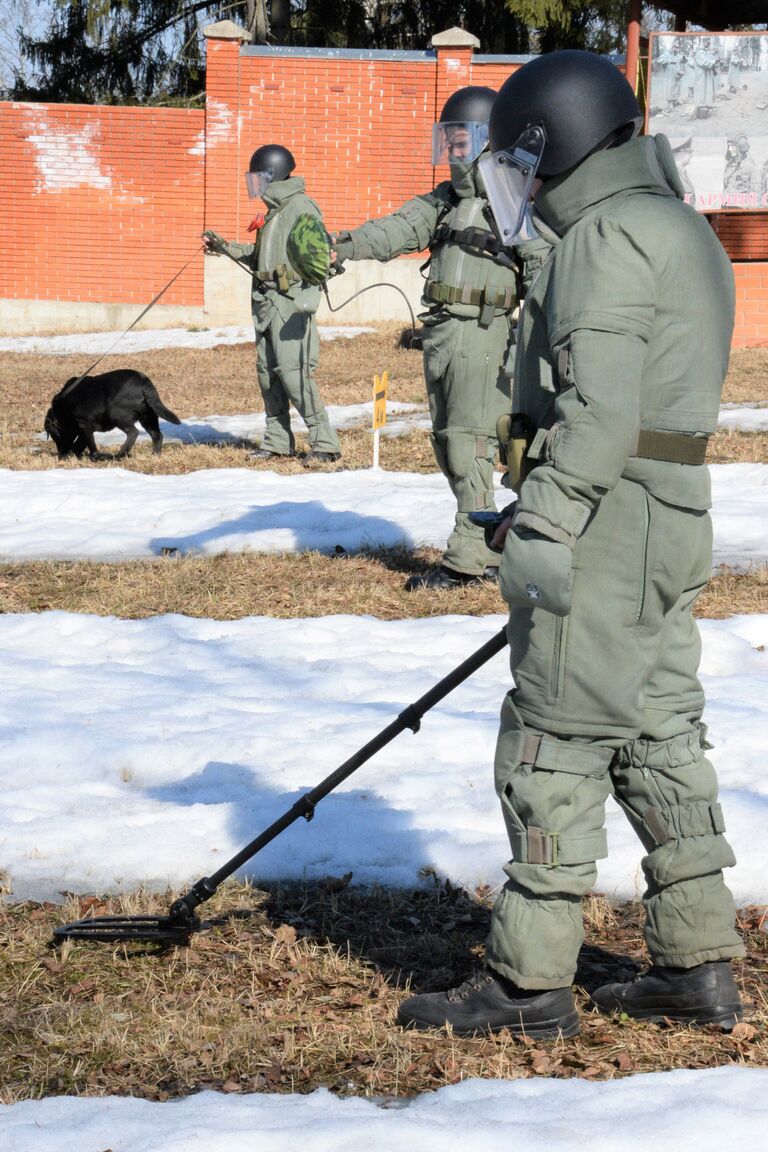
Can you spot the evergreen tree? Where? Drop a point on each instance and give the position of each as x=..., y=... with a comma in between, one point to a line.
x=599, y=26
x=142, y=51
x=116, y=51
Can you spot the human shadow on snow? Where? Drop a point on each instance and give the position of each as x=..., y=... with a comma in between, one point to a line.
x=416, y=929
x=309, y=526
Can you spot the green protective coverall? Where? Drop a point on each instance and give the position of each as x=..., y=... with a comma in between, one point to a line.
x=283, y=308
x=471, y=296
x=625, y=335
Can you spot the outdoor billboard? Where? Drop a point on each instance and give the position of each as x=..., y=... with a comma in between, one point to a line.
x=708, y=93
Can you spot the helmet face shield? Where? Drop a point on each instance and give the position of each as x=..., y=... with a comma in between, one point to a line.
x=257, y=183
x=458, y=140
x=508, y=177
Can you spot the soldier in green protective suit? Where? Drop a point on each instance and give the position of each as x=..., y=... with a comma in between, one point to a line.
x=619, y=373
x=471, y=295
x=283, y=311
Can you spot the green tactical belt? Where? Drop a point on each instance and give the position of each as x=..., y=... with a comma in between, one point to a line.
x=520, y=447
x=282, y=276
x=671, y=447
x=501, y=299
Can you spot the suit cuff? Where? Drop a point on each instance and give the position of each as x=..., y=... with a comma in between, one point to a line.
x=546, y=509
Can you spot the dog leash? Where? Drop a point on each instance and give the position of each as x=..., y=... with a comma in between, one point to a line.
x=68, y=387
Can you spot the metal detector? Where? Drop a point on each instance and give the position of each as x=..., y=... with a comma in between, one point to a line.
x=181, y=922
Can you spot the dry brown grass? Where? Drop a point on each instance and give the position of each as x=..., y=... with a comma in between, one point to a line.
x=222, y=381
x=295, y=987
x=234, y=585
x=410, y=453
x=747, y=380
x=731, y=593
x=732, y=447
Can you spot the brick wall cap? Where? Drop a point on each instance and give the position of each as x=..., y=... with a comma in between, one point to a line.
x=226, y=30
x=454, y=38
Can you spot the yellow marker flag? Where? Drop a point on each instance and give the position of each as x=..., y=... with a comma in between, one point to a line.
x=380, y=400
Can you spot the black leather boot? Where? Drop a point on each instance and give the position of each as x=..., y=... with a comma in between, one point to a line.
x=266, y=454
x=314, y=456
x=487, y=1003
x=706, y=994
x=445, y=578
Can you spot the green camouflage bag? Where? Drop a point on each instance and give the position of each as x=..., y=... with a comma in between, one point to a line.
x=309, y=249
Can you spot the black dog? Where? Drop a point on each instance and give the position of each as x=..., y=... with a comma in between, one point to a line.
x=100, y=403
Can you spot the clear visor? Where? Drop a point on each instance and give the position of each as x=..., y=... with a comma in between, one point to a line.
x=258, y=182
x=462, y=141
x=508, y=177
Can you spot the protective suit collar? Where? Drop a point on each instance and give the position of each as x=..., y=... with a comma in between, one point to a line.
x=642, y=165
x=281, y=190
x=465, y=179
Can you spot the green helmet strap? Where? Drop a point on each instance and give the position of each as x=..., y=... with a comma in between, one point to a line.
x=309, y=249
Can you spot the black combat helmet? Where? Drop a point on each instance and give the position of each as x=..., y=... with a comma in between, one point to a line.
x=274, y=159
x=579, y=99
x=468, y=104
x=461, y=133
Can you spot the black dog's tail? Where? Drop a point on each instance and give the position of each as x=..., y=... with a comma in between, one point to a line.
x=157, y=405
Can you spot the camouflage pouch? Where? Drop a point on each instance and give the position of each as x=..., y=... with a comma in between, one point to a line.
x=309, y=249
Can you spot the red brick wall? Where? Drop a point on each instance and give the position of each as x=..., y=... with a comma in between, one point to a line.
x=360, y=127
x=100, y=204
x=105, y=204
x=751, y=305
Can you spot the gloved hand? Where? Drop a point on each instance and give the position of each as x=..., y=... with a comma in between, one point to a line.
x=214, y=244
x=536, y=572
x=491, y=522
x=341, y=247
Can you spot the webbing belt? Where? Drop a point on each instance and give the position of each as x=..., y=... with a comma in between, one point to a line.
x=672, y=447
x=283, y=276
x=501, y=298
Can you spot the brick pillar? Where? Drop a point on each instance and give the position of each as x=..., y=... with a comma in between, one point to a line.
x=224, y=159
x=227, y=290
x=455, y=49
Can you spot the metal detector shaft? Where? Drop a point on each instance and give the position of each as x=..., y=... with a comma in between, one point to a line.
x=410, y=717
x=177, y=926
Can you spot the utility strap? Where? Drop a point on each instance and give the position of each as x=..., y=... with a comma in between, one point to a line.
x=534, y=845
x=672, y=447
x=679, y=821
x=547, y=752
x=479, y=238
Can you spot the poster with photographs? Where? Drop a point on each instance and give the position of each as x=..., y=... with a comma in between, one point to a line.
x=708, y=93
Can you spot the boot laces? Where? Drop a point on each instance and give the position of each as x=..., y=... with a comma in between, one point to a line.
x=474, y=983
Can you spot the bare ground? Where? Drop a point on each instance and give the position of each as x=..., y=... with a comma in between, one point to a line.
x=293, y=987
